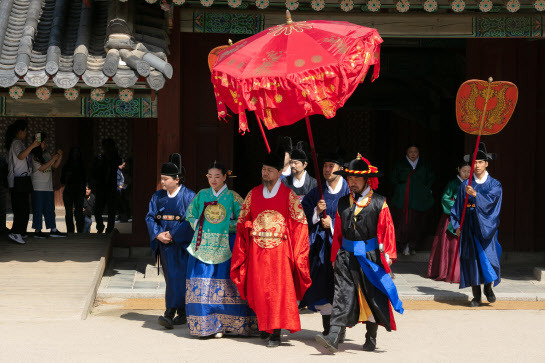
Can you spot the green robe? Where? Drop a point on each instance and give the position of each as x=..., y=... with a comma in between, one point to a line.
x=448, y=199
x=420, y=197
x=219, y=221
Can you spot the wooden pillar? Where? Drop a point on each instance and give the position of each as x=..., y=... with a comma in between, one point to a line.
x=168, y=123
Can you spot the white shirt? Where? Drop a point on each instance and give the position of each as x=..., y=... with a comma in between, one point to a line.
x=484, y=178
x=287, y=172
x=42, y=181
x=17, y=167
x=173, y=195
x=299, y=183
x=413, y=163
x=220, y=191
x=272, y=193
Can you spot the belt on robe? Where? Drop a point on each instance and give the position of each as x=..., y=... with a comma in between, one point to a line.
x=169, y=217
x=471, y=205
x=374, y=273
x=200, y=224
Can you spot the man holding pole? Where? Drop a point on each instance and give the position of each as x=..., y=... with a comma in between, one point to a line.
x=479, y=248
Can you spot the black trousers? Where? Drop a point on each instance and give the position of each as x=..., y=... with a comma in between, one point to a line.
x=105, y=198
x=349, y=278
x=20, y=205
x=73, y=204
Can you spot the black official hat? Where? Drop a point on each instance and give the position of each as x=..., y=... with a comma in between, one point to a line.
x=173, y=167
x=299, y=152
x=481, y=154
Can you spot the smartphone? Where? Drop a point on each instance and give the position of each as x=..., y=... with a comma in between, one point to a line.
x=39, y=137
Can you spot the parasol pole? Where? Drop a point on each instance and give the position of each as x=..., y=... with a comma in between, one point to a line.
x=314, y=159
x=263, y=133
x=490, y=80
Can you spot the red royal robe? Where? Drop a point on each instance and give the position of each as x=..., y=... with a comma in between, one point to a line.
x=270, y=258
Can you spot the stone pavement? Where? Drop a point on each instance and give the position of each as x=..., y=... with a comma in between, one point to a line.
x=51, y=278
x=134, y=278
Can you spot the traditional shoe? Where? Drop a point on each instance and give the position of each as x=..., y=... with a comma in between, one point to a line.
x=476, y=301
x=326, y=323
x=179, y=320
x=274, y=340
x=370, y=337
x=489, y=293
x=166, y=322
x=218, y=335
x=264, y=335
x=330, y=341
x=342, y=335
x=167, y=319
x=406, y=251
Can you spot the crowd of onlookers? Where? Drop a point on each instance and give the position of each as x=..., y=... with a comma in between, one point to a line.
x=27, y=172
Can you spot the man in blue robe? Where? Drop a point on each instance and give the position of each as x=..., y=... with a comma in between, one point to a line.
x=170, y=234
x=479, y=248
x=319, y=296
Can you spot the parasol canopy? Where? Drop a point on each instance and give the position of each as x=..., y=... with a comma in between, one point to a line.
x=294, y=70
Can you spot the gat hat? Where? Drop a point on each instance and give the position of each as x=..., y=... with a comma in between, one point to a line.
x=361, y=167
x=173, y=167
x=299, y=153
x=481, y=154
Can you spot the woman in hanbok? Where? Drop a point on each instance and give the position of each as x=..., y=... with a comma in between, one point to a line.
x=170, y=233
x=213, y=304
x=443, y=251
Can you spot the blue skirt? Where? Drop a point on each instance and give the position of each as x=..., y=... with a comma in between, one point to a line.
x=213, y=304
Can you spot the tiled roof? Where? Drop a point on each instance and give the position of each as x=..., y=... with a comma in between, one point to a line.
x=74, y=41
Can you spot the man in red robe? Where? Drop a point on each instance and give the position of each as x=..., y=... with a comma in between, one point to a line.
x=270, y=257
x=362, y=250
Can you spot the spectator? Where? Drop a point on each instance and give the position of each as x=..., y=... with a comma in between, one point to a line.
x=105, y=181
x=43, y=196
x=19, y=181
x=3, y=193
x=412, y=179
x=122, y=202
x=73, y=178
x=88, y=209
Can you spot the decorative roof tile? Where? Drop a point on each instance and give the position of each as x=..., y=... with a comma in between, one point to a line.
x=69, y=41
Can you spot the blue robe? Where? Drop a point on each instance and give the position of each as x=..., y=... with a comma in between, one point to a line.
x=479, y=248
x=321, y=271
x=174, y=255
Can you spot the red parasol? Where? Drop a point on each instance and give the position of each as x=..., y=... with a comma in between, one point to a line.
x=294, y=70
x=482, y=108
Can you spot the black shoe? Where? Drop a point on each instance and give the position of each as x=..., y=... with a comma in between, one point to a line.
x=370, y=337
x=476, y=296
x=274, y=340
x=57, y=234
x=41, y=235
x=330, y=341
x=489, y=293
x=342, y=335
x=264, y=335
x=181, y=318
x=166, y=322
x=326, y=323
